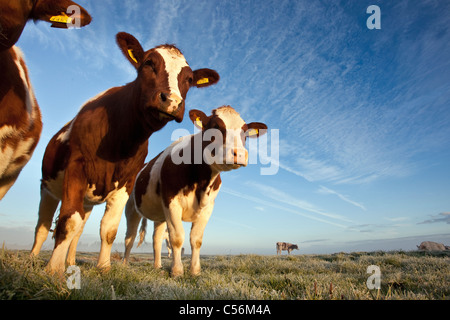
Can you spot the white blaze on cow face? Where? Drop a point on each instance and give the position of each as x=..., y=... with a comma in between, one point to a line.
x=174, y=62
x=234, y=152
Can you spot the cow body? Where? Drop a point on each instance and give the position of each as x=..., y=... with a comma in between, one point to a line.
x=96, y=156
x=20, y=117
x=285, y=246
x=432, y=246
x=168, y=192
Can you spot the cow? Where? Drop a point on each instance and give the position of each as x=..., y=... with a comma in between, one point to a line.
x=432, y=246
x=285, y=246
x=170, y=190
x=20, y=116
x=96, y=156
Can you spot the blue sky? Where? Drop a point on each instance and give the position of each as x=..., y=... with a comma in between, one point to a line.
x=363, y=115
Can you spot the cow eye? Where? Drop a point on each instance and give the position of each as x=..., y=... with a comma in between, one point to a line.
x=243, y=136
x=190, y=80
x=151, y=64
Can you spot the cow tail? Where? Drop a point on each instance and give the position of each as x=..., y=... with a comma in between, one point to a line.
x=142, y=231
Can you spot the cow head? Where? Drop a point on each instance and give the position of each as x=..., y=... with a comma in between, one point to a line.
x=16, y=13
x=227, y=133
x=164, y=78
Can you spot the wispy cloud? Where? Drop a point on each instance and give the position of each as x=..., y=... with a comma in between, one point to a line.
x=315, y=241
x=397, y=219
x=325, y=190
x=443, y=217
x=348, y=119
x=272, y=204
x=287, y=199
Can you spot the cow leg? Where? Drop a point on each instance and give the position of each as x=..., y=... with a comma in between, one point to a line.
x=71, y=215
x=158, y=231
x=108, y=227
x=176, y=236
x=133, y=219
x=196, y=238
x=73, y=245
x=169, y=248
x=47, y=208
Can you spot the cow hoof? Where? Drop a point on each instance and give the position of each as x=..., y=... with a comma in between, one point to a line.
x=71, y=262
x=176, y=273
x=195, y=272
x=54, y=270
x=104, y=269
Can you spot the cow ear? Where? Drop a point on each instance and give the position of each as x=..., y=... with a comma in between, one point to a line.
x=255, y=129
x=205, y=78
x=131, y=48
x=62, y=14
x=198, y=118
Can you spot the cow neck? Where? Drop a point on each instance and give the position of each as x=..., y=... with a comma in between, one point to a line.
x=200, y=178
x=204, y=173
x=133, y=114
x=126, y=134
x=11, y=112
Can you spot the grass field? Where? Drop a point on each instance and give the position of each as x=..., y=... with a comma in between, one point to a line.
x=404, y=276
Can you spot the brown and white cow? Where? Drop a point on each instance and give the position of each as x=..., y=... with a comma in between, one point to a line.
x=20, y=117
x=95, y=157
x=169, y=191
x=285, y=246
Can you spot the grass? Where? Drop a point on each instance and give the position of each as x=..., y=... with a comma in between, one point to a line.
x=404, y=276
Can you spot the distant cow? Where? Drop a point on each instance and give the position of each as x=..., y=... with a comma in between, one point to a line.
x=20, y=116
x=432, y=246
x=95, y=157
x=168, y=191
x=285, y=246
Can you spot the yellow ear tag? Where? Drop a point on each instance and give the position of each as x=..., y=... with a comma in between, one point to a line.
x=198, y=122
x=130, y=53
x=62, y=18
x=253, y=132
x=203, y=80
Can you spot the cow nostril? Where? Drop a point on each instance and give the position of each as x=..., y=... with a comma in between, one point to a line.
x=163, y=97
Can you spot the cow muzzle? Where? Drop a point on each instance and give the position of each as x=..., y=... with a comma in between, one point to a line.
x=171, y=107
x=239, y=156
